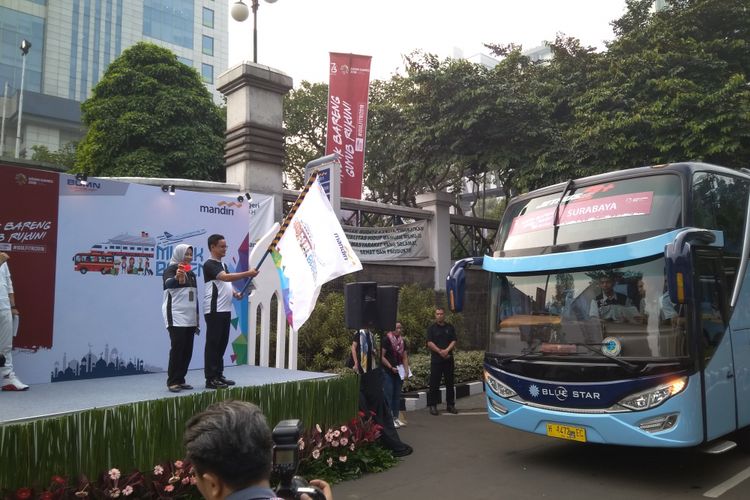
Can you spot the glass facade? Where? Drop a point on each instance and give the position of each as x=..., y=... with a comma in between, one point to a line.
x=208, y=18
x=185, y=61
x=208, y=45
x=207, y=72
x=169, y=21
x=14, y=27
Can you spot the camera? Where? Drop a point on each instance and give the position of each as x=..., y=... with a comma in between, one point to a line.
x=286, y=437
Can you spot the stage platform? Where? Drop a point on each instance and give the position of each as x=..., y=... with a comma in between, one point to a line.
x=62, y=398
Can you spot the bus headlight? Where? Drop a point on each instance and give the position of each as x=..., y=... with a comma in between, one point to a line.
x=498, y=387
x=654, y=397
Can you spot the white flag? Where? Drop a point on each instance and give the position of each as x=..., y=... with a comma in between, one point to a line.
x=312, y=251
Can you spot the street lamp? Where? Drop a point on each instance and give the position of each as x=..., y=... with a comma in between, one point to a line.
x=25, y=46
x=240, y=13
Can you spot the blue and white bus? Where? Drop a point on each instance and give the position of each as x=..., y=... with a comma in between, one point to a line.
x=619, y=309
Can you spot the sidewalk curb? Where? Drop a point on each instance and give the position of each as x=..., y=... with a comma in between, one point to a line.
x=418, y=400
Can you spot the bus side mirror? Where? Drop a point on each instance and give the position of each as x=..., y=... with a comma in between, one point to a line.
x=679, y=260
x=455, y=283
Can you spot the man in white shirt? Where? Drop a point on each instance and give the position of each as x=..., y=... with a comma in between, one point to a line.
x=8, y=312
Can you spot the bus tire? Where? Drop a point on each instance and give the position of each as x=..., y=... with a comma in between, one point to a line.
x=743, y=439
x=84, y=270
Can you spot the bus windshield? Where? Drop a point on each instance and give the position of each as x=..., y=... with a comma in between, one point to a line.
x=623, y=312
x=646, y=204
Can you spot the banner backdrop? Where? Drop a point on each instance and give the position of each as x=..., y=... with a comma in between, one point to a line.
x=348, y=89
x=388, y=243
x=113, y=244
x=28, y=233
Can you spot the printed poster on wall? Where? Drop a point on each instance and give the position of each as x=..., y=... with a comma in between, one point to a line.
x=114, y=241
x=348, y=90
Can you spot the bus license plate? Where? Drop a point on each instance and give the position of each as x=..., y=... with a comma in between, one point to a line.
x=567, y=432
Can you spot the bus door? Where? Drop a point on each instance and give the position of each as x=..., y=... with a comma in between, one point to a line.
x=714, y=344
x=740, y=328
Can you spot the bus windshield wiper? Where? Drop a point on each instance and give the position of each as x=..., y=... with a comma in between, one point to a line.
x=630, y=367
x=556, y=226
x=529, y=352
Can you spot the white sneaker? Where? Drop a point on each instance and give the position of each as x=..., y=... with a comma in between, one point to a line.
x=400, y=423
x=11, y=383
x=396, y=423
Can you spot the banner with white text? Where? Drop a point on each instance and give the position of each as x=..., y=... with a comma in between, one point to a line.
x=348, y=90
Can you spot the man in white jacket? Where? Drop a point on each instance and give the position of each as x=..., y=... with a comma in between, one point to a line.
x=8, y=312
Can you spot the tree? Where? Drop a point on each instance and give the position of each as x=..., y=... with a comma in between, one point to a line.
x=63, y=157
x=305, y=112
x=151, y=116
x=674, y=86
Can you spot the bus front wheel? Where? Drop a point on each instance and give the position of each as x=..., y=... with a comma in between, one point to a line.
x=84, y=270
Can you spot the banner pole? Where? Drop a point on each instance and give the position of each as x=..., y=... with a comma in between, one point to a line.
x=284, y=225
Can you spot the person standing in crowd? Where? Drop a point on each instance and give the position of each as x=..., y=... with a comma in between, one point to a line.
x=395, y=362
x=371, y=394
x=180, y=311
x=8, y=314
x=231, y=448
x=441, y=341
x=217, y=308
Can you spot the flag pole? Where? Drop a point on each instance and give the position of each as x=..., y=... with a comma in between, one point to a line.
x=284, y=225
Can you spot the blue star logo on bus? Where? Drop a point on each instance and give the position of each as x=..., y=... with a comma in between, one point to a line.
x=534, y=391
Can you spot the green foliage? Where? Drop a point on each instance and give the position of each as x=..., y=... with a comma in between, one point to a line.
x=305, y=111
x=468, y=368
x=64, y=157
x=151, y=116
x=325, y=342
x=142, y=434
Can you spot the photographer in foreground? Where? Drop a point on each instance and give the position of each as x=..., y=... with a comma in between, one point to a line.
x=230, y=446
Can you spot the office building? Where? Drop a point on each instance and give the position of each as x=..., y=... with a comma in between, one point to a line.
x=73, y=42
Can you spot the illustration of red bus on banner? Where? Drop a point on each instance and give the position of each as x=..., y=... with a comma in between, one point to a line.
x=348, y=90
x=122, y=254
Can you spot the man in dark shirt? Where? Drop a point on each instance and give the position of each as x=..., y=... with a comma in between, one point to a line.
x=441, y=341
x=217, y=309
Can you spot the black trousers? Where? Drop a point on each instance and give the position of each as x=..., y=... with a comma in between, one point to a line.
x=439, y=370
x=217, y=338
x=180, y=353
x=372, y=399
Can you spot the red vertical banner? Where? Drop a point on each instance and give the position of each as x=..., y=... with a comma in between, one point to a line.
x=348, y=90
x=28, y=233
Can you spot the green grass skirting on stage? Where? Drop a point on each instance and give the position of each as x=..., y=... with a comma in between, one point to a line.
x=141, y=435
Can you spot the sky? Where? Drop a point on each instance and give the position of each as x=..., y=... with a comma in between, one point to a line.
x=296, y=36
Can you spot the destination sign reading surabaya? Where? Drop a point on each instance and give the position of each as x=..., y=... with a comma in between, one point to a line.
x=624, y=205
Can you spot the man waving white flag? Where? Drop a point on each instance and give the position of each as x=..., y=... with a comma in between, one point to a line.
x=312, y=251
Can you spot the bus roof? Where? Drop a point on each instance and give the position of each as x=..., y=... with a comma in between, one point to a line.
x=681, y=168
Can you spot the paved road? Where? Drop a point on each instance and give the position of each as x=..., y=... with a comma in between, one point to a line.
x=465, y=456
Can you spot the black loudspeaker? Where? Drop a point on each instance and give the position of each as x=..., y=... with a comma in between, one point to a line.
x=360, y=304
x=387, y=307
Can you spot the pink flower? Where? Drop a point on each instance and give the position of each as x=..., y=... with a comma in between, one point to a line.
x=82, y=494
x=336, y=433
x=344, y=428
x=329, y=461
x=114, y=474
x=174, y=479
x=158, y=470
x=169, y=488
x=351, y=446
x=178, y=464
x=316, y=454
x=185, y=480
x=344, y=441
x=114, y=493
x=342, y=458
x=193, y=480
x=127, y=491
x=335, y=444
x=301, y=444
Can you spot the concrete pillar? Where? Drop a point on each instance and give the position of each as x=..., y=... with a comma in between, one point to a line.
x=254, y=144
x=439, y=232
